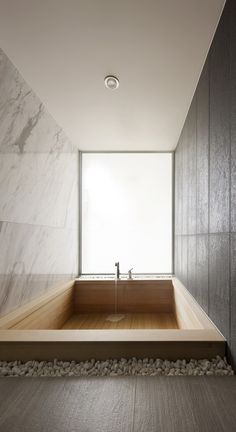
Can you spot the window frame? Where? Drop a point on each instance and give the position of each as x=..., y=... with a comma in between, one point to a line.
x=108, y=275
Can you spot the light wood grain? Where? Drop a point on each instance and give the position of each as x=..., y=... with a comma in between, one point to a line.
x=15, y=317
x=130, y=321
x=101, y=344
x=108, y=335
x=132, y=296
x=50, y=316
x=28, y=338
x=188, y=312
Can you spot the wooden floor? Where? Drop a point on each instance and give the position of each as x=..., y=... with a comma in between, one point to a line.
x=129, y=404
x=130, y=321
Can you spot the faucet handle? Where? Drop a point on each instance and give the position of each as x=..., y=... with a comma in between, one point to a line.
x=130, y=273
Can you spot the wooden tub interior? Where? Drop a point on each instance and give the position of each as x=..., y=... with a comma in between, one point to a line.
x=158, y=318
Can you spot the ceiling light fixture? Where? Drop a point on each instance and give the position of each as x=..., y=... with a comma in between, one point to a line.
x=111, y=82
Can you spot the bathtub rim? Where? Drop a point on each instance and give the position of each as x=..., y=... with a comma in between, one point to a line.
x=194, y=324
x=80, y=345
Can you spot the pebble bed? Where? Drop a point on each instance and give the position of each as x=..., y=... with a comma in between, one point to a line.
x=121, y=367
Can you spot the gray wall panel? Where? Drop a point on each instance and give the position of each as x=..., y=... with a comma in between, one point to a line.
x=180, y=260
x=178, y=255
x=191, y=168
x=219, y=128
x=178, y=193
x=232, y=352
x=191, y=271
x=233, y=287
x=184, y=187
x=202, y=271
x=210, y=274
x=233, y=112
x=202, y=150
x=184, y=261
x=219, y=280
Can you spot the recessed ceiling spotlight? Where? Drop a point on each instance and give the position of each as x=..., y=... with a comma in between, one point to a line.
x=111, y=82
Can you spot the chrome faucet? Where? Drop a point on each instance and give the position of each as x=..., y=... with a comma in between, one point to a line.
x=130, y=274
x=117, y=274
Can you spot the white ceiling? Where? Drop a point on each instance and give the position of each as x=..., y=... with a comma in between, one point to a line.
x=65, y=48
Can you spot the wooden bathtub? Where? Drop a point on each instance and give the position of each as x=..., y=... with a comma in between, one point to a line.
x=161, y=320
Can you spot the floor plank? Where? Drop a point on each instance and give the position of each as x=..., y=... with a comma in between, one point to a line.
x=66, y=405
x=127, y=404
x=196, y=404
x=130, y=321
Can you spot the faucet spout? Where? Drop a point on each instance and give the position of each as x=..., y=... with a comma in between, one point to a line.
x=117, y=274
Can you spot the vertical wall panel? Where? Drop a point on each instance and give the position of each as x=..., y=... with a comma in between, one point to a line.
x=202, y=150
x=184, y=181
x=233, y=290
x=211, y=267
x=191, y=271
x=177, y=202
x=202, y=271
x=191, y=168
x=176, y=256
x=219, y=128
x=184, y=262
x=232, y=352
x=178, y=191
x=233, y=111
x=233, y=177
x=180, y=238
x=219, y=280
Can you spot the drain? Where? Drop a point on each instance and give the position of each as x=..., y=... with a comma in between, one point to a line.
x=115, y=317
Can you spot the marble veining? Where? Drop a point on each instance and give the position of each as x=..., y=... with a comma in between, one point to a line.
x=38, y=195
x=19, y=289
x=29, y=249
x=26, y=125
x=47, y=181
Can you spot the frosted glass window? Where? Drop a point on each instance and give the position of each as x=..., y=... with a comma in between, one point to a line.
x=127, y=212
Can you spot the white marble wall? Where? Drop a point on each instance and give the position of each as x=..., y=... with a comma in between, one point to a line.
x=38, y=195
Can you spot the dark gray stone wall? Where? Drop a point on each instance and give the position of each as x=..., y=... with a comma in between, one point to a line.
x=205, y=185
